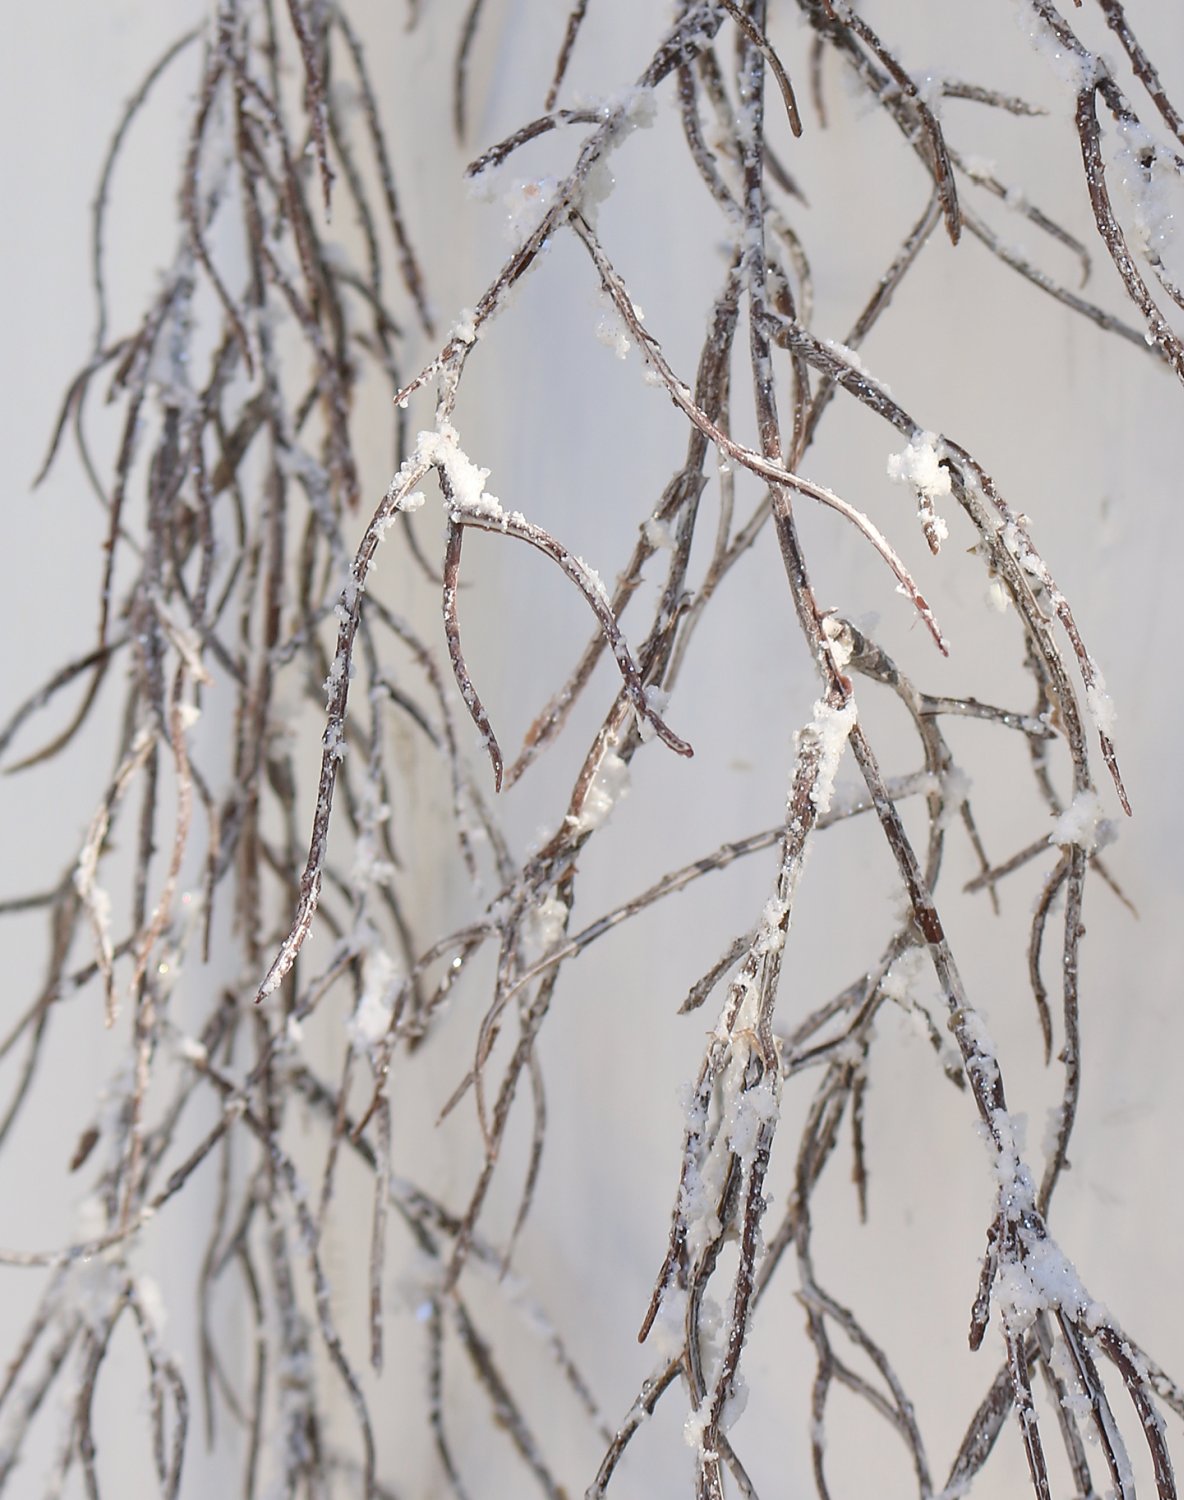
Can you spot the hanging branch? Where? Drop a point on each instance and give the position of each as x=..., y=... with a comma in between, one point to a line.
x=238, y=594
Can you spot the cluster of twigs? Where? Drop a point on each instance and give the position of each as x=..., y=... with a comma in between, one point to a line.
x=232, y=573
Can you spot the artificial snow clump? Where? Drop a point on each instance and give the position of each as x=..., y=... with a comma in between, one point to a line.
x=609, y=785
x=1045, y=1279
x=831, y=727
x=1082, y=824
x=372, y=1017
x=465, y=327
x=1150, y=181
x=612, y=333
x=656, y=700
x=997, y=596
x=525, y=202
x=842, y=642
x=1077, y=68
x=1100, y=705
x=542, y=930
x=919, y=465
x=464, y=483
x=659, y=533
